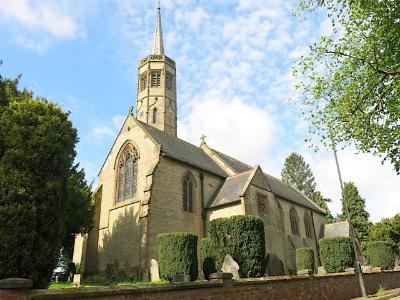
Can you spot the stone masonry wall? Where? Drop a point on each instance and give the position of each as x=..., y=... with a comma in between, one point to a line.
x=332, y=287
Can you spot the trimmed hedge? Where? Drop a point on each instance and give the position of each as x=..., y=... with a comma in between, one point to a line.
x=243, y=238
x=379, y=254
x=305, y=258
x=336, y=254
x=207, y=257
x=177, y=254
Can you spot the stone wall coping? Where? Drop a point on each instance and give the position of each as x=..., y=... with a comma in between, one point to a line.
x=83, y=293
x=15, y=283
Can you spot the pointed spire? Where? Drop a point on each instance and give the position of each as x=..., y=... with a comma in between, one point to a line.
x=158, y=45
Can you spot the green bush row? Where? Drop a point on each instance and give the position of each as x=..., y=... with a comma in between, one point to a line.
x=305, y=258
x=379, y=254
x=243, y=238
x=177, y=254
x=336, y=254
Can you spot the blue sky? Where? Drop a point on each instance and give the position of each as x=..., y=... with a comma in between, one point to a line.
x=234, y=80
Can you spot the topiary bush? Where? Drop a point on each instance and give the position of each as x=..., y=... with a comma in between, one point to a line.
x=207, y=257
x=305, y=258
x=336, y=254
x=379, y=254
x=177, y=254
x=243, y=238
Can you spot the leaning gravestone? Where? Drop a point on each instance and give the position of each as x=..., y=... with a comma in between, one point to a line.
x=154, y=270
x=231, y=266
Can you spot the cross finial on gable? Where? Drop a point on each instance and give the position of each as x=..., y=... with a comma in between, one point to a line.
x=203, y=139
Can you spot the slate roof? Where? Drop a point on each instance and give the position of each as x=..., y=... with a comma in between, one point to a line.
x=231, y=190
x=183, y=151
x=285, y=191
x=235, y=164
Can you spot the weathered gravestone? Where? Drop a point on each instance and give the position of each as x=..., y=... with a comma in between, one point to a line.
x=230, y=266
x=154, y=270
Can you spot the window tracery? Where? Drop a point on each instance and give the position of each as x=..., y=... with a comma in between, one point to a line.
x=155, y=78
x=127, y=173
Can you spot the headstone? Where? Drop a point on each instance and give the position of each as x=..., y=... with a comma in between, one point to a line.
x=230, y=266
x=77, y=280
x=350, y=270
x=366, y=269
x=177, y=278
x=154, y=270
x=376, y=269
x=396, y=268
x=321, y=270
x=304, y=271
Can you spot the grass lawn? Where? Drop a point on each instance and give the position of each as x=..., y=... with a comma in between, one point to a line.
x=67, y=285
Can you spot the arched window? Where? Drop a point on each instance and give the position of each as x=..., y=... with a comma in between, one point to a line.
x=143, y=81
x=308, y=224
x=294, y=221
x=155, y=115
x=127, y=173
x=187, y=194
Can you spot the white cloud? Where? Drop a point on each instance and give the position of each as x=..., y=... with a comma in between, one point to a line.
x=231, y=126
x=102, y=131
x=39, y=15
x=378, y=184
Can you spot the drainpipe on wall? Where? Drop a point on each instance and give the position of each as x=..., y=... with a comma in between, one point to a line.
x=203, y=210
x=315, y=238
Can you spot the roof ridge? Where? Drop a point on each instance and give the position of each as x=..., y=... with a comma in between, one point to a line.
x=240, y=174
x=239, y=161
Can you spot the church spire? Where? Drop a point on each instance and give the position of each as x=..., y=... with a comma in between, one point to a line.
x=158, y=45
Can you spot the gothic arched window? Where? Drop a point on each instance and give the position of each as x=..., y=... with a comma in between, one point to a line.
x=143, y=81
x=294, y=221
x=127, y=173
x=308, y=224
x=155, y=77
x=155, y=115
x=187, y=194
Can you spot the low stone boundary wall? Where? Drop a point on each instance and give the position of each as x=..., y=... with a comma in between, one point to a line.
x=330, y=286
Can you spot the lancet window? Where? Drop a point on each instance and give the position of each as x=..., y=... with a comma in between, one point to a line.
x=294, y=222
x=308, y=225
x=155, y=116
x=169, y=81
x=187, y=194
x=127, y=173
x=143, y=81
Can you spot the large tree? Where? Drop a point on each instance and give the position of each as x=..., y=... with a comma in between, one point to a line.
x=44, y=198
x=358, y=215
x=351, y=77
x=297, y=173
x=388, y=229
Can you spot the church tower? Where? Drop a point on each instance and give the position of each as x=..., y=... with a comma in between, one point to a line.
x=156, y=88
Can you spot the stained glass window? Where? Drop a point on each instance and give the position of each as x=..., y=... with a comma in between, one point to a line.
x=308, y=225
x=294, y=222
x=127, y=173
x=187, y=194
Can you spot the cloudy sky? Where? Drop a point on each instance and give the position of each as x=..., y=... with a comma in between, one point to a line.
x=234, y=61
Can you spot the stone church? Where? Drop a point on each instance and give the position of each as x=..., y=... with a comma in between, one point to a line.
x=153, y=182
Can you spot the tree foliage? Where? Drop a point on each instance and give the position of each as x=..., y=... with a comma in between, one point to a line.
x=359, y=217
x=388, y=229
x=44, y=198
x=297, y=173
x=352, y=88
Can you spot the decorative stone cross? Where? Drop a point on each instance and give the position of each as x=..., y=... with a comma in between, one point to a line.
x=203, y=139
x=130, y=111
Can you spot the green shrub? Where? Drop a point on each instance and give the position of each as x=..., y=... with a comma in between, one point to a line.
x=305, y=258
x=379, y=254
x=336, y=254
x=207, y=257
x=243, y=238
x=177, y=254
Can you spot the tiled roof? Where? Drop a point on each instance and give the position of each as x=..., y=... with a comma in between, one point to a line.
x=285, y=191
x=183, y=151
x=231, y=190
x=235, y=164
